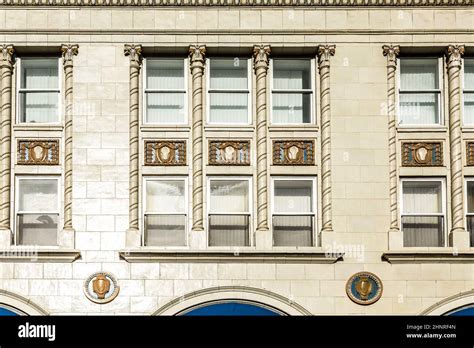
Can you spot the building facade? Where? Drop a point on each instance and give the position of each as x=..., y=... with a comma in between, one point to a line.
x=294, y=158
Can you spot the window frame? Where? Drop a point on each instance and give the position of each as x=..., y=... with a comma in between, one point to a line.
x=443, y=213
x=466, y=211
x=186, y=207
x=314, y=206
x=439, y=91
x=19, y=90
x=249, y=180
x=18, y=178
x=209, y=91
x=145, y=90
x=311, y=92
x=465, y=91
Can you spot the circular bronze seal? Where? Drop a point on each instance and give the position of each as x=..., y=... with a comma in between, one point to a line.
x=364, y=288
x=101, y=287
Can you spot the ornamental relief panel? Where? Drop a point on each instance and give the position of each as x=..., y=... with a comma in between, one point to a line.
x=293, y=152
x=229, y=152
x=422, y=154
x=470, y=153
x=38, y=152
x=165, y=153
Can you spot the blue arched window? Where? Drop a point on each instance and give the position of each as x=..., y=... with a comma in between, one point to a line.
x=231, y=308
x=463, y=311
x=6, y=312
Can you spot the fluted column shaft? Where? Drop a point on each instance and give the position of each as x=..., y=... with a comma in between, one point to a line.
x=391, y=52
x=196, y=56
x=261, y=54
x=7, y=52
x=324, y=54
x=135, y=54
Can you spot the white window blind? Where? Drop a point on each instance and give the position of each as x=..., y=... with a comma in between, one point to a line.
x=470, y=209
x=469, y=91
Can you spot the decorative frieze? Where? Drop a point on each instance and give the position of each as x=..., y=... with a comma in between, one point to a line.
x=229, y=152
x=293, y=152
x=422, y=154
x=38, y=152
x=470, y=153
x=165, y=153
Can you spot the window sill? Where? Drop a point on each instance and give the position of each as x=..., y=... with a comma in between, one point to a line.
x=38, y=254
x=38, y=127
x=293, y=127
x=467, y=129
x=416, y=129
x=435, y=255
x=227, y=256
x=229, y=128
x=166, y=127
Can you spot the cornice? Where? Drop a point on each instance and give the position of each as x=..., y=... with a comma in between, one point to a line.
x=241, y=3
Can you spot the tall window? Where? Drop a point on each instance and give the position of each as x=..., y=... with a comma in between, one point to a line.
x=229, y=212
x=469, y=91
x=419, y=92
x=470, y=208
x=37, y=210
x=229, y=91
x=38, y=90
x=165, y=91
x=423, y=213
x=294, y=210
x=292, y=91
x=165, y=211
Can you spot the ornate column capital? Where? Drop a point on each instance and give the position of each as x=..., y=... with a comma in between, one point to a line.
x=68, y=52
x=7, y=55
x=260, y=56
x=134, y=52
x=391, y=52
x=324, y=54
x=454, y=54
x=197, y=54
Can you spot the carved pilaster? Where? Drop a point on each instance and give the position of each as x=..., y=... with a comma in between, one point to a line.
x=459, y=238
x=261, y=54
x=134, y=52
x=324, y=54
x=6, y=68
x=395, y=237
x=68, y=53
x=197, y=54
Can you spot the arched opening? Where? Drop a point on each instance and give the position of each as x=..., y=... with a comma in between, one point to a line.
x=463, y=311
x=12, y=304
x=7, y=311
x=461, y=304
x=231, y=308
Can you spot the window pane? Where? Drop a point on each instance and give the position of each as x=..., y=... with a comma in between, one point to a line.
x=228, y=73
x=291, y=74
x=291, y=107
x=165, y=107
x=423, y=231
x=418, y=74
x=231, y=196
x=469, y=74
x=293, y=196
x=39, y=107
x=164, y=196
x=228, y=230
x=165, y=74
x=419, y=108
x=229, y=107
x=165, y=230
x=470, y=196
x=38, y=229
x=38, y=195
x=39, y=74
x=292, y=230
x=470, y=227
x=469, y=108
x=421, y=197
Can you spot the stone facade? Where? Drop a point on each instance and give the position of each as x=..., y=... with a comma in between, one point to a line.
x=357, y=157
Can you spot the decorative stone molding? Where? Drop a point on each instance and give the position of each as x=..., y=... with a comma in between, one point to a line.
x=261, y=55
x=6, y=69
x=38, y=152
x=134, y=52
x=459, y=237
x=235, y=152
x=422, y=154
x=22, y=254
x=324, y=55
x=395, y=235
x=21, y=305
x=411, y=257
x=293, y=152
x=165, y=153
x=470, y=153
x=197, y=55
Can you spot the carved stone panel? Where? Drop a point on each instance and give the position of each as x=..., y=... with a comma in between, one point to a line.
x=165, y=153
x=229, y=152
x=470, y=153
x=293, y=152
x=422, y=154
x=38, y=152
